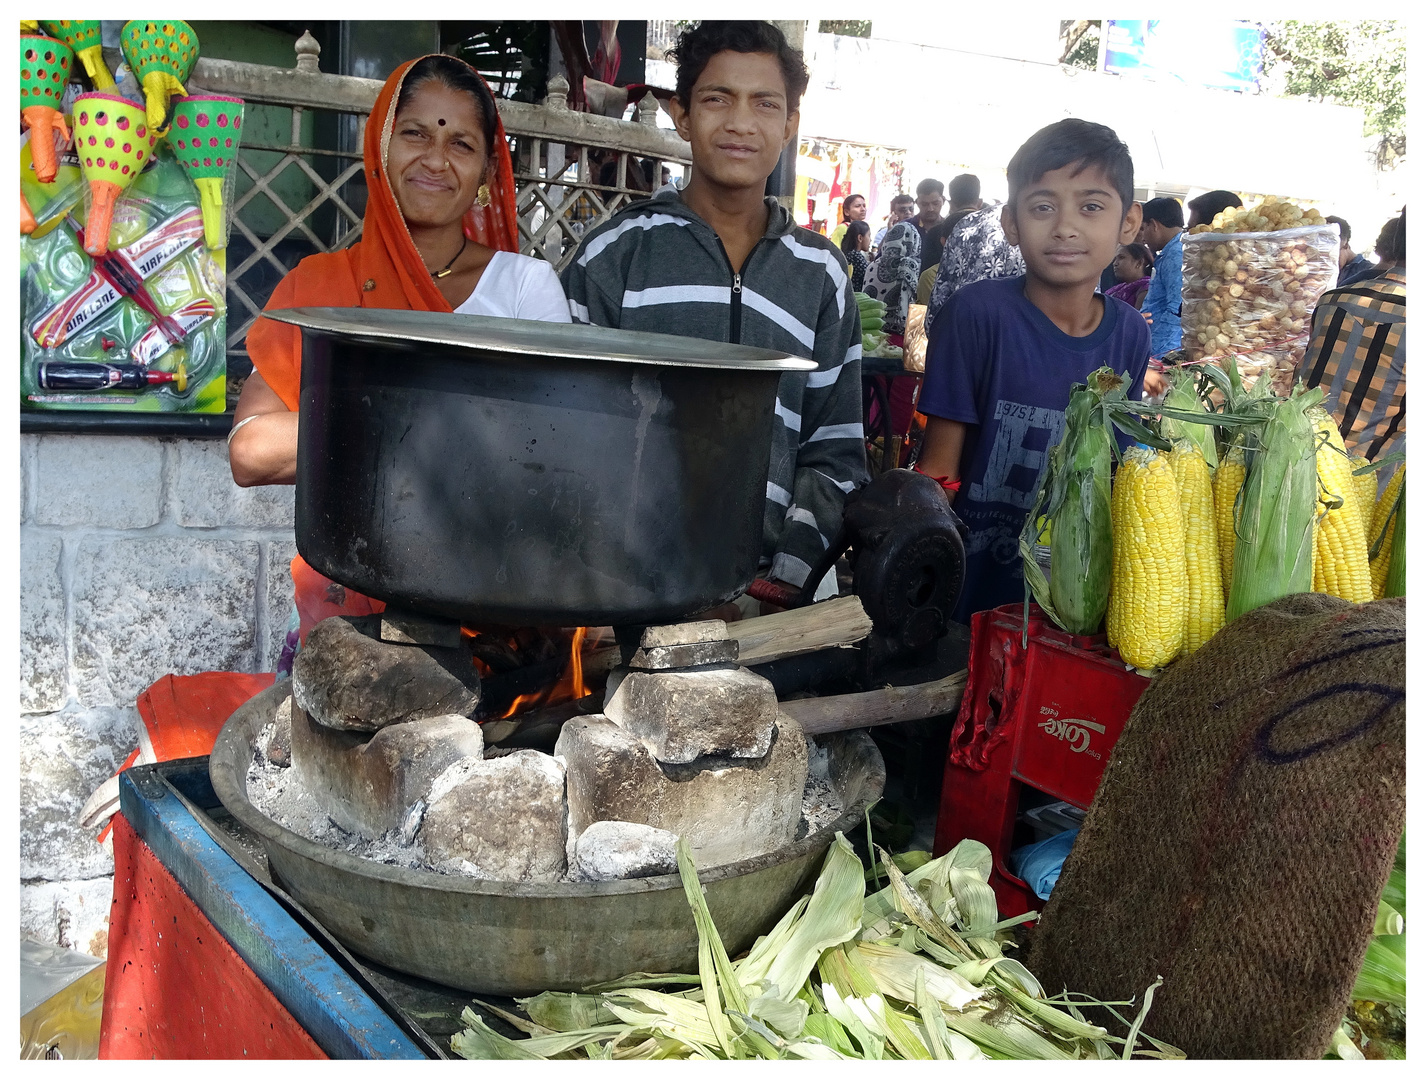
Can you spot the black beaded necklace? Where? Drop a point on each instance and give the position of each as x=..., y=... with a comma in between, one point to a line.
x=445, y=270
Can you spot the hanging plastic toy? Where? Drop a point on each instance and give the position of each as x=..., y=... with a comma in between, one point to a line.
x=114, y=142
x=161, y=55
x=45, y=66
x=27, y=217
x=205, y=134
x=82, y=35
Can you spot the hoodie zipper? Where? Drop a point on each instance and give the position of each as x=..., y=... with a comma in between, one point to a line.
x=735, y=301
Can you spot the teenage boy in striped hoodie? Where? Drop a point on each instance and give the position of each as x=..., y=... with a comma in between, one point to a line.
x=720, y=261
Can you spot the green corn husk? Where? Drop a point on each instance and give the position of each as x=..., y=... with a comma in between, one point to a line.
x=1396, y=569
x=1075, y=485
x=924, y=979
x=1272, y=556
x=1183, y=396
x=1383, y=974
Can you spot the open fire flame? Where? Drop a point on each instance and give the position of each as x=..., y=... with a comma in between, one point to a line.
x=569, y=687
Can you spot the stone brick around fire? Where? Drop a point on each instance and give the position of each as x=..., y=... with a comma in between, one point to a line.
x=611, y=850
x=349, y=681
x=727, y=809
x=367, y=783
x=689, y=633
x=505, y=817
x=684, y=715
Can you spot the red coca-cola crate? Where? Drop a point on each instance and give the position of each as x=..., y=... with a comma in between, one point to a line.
x=1042, y=708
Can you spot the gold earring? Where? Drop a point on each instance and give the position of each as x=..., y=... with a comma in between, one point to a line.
x=483, y=195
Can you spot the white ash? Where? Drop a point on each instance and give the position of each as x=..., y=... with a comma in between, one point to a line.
x=278, y=794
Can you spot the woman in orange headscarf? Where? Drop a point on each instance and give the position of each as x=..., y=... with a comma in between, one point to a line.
x=440, y=234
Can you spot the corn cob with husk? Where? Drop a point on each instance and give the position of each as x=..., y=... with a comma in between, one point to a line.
x=1153, y=579
x=1183, y=396
x=1074, y=494
x=1227, y=482
x=1204, y=616
x=1340, y=566
x=1272, y=553
x=1381, y=533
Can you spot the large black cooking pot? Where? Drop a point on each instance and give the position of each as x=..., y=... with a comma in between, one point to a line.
x=526, y=473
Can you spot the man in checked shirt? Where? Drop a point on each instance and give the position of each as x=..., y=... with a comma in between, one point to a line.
x=1358, y=353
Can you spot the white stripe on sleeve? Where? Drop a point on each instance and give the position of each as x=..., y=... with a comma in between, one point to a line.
x=788, y=417
x=837, y=431
x=779, y=495
x=578, y=311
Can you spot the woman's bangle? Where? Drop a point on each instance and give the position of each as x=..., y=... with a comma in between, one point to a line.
x=239, y=426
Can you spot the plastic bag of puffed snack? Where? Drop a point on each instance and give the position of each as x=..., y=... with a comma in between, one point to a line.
x=915, y=338
x=1248, y=297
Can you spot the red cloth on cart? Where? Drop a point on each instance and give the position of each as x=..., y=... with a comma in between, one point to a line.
x=182, y=715
x=174, y=988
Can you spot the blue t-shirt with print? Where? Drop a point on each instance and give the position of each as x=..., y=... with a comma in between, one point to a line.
x=999, y=365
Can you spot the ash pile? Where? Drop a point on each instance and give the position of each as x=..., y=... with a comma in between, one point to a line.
x=375, y=752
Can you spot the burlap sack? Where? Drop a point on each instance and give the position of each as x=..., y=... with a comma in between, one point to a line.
x=1243, y=833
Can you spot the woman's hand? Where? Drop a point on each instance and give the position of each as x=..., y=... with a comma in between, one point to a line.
x=262, y=448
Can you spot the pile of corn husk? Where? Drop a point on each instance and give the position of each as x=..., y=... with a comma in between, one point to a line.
x=916, y=970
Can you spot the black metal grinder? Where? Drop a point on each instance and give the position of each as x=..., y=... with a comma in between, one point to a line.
x=907, y=554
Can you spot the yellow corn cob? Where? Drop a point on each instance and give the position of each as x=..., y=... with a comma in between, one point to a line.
x=1380, y=512
x=1204, y=616
x=1365, y=485
x=1339, y=555
x=1152, y=573
x=1227, y=482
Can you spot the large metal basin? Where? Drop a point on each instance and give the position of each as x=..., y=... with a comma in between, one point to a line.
x=505, y=938
x=526, y=473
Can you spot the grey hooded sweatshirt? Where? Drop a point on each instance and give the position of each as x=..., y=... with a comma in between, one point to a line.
x=657, y=266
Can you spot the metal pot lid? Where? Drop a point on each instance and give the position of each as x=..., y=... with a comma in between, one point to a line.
x=521, y=337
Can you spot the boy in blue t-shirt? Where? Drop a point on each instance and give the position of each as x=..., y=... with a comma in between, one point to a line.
x=1005, y=352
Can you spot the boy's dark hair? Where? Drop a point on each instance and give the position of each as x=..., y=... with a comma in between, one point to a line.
x=929, y=185
x=1212, y=203
x=1391, y=241
x=1165, y=211
x=459, y=76
x=964, y=189
x=849, y=238
x=1073, y=142
x=1342, y=227
x=902, y=199
x=699, y=44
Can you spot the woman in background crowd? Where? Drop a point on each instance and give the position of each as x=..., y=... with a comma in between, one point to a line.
x=1131, y=271
x=856, y=242
x=853, y=209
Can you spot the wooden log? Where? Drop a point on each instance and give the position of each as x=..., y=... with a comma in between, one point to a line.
x=889, y=705
x=828, y=625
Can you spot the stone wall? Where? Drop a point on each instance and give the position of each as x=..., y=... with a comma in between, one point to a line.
x=139, y=556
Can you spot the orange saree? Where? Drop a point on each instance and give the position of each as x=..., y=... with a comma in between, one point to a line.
x=381, y=270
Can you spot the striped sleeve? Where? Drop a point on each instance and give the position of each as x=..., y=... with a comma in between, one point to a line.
x=586, y=291
x=831, y=456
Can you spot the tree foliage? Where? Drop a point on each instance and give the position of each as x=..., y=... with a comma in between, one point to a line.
x=1079, y=43
x=1351, y=63
x=845, y=27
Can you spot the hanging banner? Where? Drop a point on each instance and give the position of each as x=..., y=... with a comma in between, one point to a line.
x=1222, y=54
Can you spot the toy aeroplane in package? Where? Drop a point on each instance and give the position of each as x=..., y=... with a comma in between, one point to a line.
x=121, y=274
